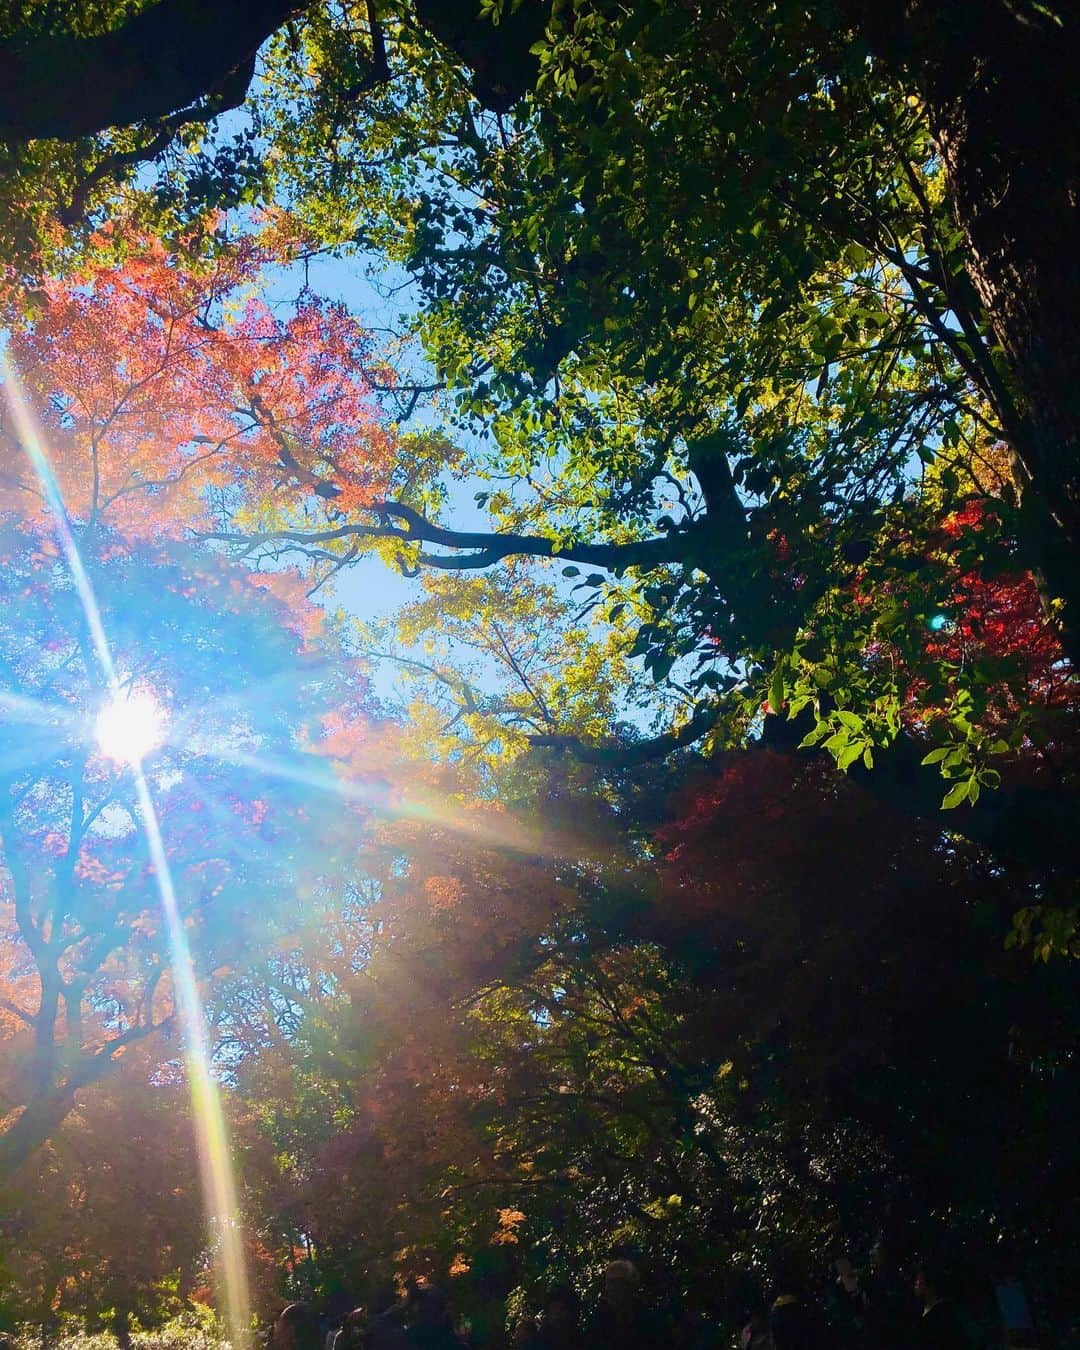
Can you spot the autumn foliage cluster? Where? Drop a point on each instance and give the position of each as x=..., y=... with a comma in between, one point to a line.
x=476, y=1015
x=163, y=384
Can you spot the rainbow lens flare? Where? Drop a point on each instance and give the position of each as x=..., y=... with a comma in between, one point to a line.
x=129, y=726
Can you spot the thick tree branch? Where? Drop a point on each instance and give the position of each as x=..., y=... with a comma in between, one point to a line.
x=10, y=1006
x=500, y=58
x=43, y=1115
x=173, y=54
x=623, y=754
x=168, y=57
x=230, y=95
x=473, y=550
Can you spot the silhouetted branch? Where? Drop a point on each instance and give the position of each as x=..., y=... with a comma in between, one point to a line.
x=167, y=57
x=623, y=754
x=472, y=550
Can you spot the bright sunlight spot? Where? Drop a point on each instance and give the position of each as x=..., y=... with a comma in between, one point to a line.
x=130, y=726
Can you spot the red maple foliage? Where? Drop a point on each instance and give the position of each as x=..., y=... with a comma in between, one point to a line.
x=1001, y=620
x=160, y=383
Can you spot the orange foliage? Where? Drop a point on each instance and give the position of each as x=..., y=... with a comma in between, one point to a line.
x=159, y=382
x=510, y=1220
x=443, y=892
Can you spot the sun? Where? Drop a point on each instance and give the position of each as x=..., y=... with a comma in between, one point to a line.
x=130, y=726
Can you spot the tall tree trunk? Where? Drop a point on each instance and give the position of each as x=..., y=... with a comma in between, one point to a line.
x=1001, y=80
x=39, y=1121
x=121, y=1327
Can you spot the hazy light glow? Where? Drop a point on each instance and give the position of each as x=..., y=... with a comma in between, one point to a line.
x=130, y=726
x=425, y=808
x=215, y=1161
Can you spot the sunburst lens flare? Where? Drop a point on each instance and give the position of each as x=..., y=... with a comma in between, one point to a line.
x=130, y=726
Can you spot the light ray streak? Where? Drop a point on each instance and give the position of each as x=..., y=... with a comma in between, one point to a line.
x=32, y=712
x=215, y=1163
x=215, y=1159
x=513, y=836
x=47, y=731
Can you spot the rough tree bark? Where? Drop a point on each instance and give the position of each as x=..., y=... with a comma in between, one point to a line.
x=39, y=1121
x=1002, y=91
x=50, y=1106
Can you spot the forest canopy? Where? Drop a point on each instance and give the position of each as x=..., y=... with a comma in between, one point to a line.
x=588, y=495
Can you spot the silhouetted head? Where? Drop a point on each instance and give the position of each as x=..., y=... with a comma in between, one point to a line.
x=296, y=1327
x=562, y=1308
x=931, y=1282
x=622, y=1279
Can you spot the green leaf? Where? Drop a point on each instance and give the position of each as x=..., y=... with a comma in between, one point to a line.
x=661, y=665
x=957, y=794
x=777, y=688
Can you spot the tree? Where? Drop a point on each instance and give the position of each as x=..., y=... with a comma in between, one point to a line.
x=167, y=380
x=734, y=416
x=86, y=944
x=853, y=979
x=968, y=61
x=767, y=1037
x=802, y=386
x=487, y=664
x=107, y=1222
x=143, y=388
x=361, y=1090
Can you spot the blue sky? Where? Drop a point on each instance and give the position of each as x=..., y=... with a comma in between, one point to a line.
x=369, y=589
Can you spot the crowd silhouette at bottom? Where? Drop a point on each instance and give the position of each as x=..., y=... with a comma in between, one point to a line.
x=876, y=1309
